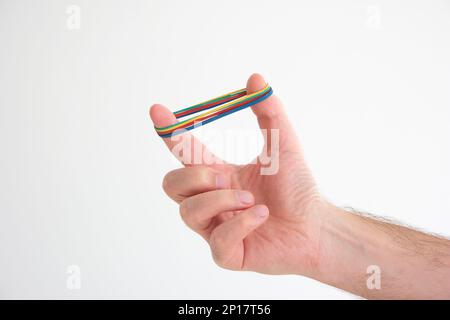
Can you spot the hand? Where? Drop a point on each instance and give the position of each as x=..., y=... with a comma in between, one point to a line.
x=264, y=223
x=279, y=224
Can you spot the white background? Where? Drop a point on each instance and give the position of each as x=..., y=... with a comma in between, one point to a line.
x=366, y=85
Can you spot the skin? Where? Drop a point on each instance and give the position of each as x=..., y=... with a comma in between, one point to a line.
x=280, y=224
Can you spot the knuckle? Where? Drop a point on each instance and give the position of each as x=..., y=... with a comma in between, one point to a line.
x=215, y=240
x=246, y=222
x=204, y=177
x=216, y=252
x=167, y=182
x=187, y=214
x=184, y=210
x=219, y=260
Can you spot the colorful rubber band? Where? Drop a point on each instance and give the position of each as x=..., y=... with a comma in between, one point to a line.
x=220, y=107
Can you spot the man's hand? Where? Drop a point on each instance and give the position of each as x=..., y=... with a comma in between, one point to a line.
x=279, y=224
x=263, y=223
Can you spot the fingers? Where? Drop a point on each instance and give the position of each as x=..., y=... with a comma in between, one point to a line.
x=185, y=147
x=161, y=116
x=190, y=151
x=185, y=182
x=226, y=240
x=199, y=210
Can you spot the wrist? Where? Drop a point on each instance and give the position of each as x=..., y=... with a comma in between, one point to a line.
x=410, y=264
x=344, y=248
x=320, y=223
x=350, y=250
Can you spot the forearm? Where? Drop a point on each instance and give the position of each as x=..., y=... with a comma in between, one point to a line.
x=413, y=265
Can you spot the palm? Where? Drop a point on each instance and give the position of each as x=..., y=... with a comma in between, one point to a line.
x=287, y=194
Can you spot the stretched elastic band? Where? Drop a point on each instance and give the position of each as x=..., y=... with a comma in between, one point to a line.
x=222, y=106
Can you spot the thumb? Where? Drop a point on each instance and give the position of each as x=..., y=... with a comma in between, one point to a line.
x=270, y=111
x=270, y=114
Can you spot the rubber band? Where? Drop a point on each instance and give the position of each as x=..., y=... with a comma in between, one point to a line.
x=217, y=108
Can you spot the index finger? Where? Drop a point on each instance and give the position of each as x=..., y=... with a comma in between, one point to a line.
x=185, y=147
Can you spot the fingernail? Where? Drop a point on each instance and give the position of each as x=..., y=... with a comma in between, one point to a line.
x=261, y=212
x=220, y=182
x=245, y=197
